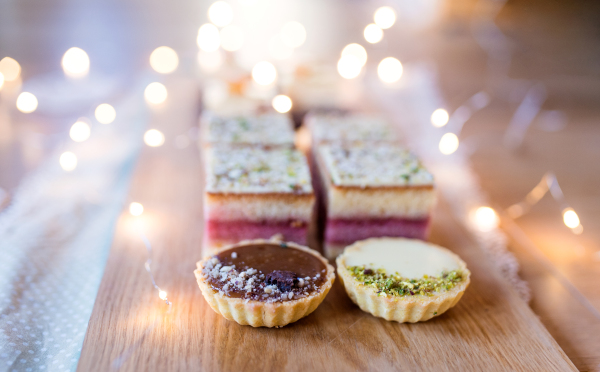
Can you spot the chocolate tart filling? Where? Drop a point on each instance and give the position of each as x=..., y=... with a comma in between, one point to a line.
x=265, y=272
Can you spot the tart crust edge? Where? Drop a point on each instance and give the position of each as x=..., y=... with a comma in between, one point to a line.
x=412, y=309
x=258, y=313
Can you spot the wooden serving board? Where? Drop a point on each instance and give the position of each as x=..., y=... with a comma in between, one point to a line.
x=490, y=329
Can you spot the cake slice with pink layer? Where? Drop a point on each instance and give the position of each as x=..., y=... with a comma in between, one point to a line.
x=256, y=193
x=372, y=191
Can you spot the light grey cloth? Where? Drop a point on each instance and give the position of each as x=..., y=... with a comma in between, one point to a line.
x=54, y=241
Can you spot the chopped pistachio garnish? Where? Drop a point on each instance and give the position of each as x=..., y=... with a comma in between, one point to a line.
x=396, y=285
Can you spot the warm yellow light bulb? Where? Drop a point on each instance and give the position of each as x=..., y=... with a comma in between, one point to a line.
x=357, y=51
x=385, y=17
x=232, y=38
x=164, y=60
x=136, y=209
x=162, y=295
x=570, y=218
x=264, y=73
x=389, y=70
x=10, y=68
x=26, y=102
x=208, y=38
x=220, y=13
x=293, y=34
x=155, y=93
x=76, y=63
x=448, y=143
x=485, y=218
x=68, y=161
x=210, y=61
x=154, y=138
x=105, y=113
x=80, y=131
x=373, y=33
x=282, y=103
x=278, y=49
x=349, y=66
x=439, y=118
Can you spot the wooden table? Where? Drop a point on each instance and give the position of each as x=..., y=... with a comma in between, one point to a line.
x=552, y=42
x=490, y=329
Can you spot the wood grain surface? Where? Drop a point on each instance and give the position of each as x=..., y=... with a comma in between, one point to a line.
x=131, y=330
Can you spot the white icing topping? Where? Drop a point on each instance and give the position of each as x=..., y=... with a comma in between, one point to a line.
x=257, y=170
x=350, y=128
x=264, y=129
x=407, y=257
x=373, y=165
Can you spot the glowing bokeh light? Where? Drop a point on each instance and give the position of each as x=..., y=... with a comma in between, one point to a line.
x=75, y=63
x=154, y=138
x=389, y=70
x=208, y=38
x=220, y=13
x=164, y=60
x=570, y=218
x=136, y=209
x=10, y=68
x=439, y=118
x=282, y=103
x=293, y=34
x=278, y=49
x=349, y=66
x=373, y=34
x=68, y=161
x=232, y=38
x=80, y=131
x=485, y=218
x=385, y=17
x=356, y=50
x=105, y=113
x=26, y=102
x=155, y=93
x=448, y=143
x=1, y=80
x=210, y=61
x=264, y=73
x=162, y=295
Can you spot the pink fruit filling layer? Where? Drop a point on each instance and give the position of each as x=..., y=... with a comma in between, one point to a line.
x=347, y=231
x=235, y=231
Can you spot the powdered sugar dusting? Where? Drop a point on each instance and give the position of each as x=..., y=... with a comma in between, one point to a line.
x=373, y=165
x=350, y=128
x=257, y=170
x=251, y=284
x=263, y=129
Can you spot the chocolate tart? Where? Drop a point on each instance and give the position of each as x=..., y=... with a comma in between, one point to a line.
x=264, y=283
x=405, y=280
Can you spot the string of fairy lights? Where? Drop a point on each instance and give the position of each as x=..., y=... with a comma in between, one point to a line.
x=219, y=35
x=486, y=218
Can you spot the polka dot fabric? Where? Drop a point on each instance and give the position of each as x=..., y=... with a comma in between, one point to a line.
x=54, y=241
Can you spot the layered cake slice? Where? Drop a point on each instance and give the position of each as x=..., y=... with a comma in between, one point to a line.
x=349, y=128
x=266, y=129
x=256, y=193
x=372, y=191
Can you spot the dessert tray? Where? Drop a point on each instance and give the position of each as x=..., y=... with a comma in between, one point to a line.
x=490, y=328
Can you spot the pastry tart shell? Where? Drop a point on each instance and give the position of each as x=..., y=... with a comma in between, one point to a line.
x=259, y=313
x=403, y=309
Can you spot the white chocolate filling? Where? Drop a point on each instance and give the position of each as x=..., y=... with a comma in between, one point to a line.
x=409, y=258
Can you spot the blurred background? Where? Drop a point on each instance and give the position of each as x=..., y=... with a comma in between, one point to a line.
x=534, y=63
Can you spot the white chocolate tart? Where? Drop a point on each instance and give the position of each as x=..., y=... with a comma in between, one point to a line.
x=264, y=283
x=405, y=280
